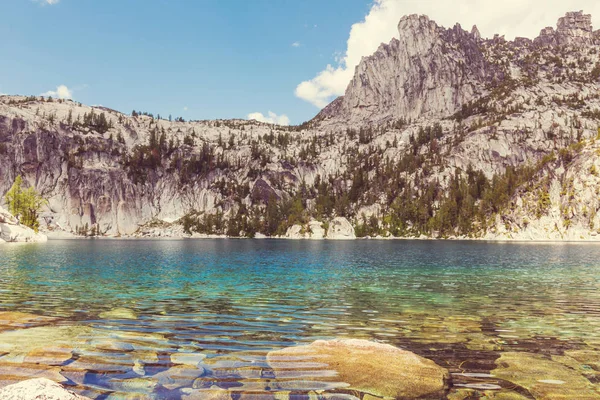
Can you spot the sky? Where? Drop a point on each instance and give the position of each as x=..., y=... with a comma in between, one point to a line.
x=276, y=61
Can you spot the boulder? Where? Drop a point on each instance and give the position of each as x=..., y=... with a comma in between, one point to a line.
x=340, y=229
x=316, y=230
x=295, y=232
x=372, y=368
x=38, y=389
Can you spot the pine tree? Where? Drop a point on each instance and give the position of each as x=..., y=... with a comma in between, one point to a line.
x=24, y=204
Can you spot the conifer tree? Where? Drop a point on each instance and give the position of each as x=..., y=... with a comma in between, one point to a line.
x=24, y=203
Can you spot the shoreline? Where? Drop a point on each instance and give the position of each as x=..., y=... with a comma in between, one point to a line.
x=421, y=239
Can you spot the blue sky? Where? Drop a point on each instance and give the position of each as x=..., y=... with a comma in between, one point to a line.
x=217, y=58
x=208, y=59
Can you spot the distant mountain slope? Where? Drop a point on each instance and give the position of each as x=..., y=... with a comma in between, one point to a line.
x=440, y=133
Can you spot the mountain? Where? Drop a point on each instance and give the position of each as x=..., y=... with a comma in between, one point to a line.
x=441, y=133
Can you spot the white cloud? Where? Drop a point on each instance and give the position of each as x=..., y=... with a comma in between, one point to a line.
x=296, y=44
x=61, y=92
x=270, y=118
x=185, y=108
x=49, y=2
x=509, y=17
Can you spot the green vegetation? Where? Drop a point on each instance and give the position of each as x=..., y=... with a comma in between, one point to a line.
x=24, y=203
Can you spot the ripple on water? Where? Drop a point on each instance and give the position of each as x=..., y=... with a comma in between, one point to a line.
x=150, y=317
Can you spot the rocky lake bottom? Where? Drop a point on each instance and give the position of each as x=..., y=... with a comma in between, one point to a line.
x=214, y=319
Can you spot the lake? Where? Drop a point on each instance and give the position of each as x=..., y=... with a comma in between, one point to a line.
x=121, y=311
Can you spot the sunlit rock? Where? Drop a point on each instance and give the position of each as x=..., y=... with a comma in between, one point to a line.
x=16, y=319
x=295, y=232
x=340, y=229
x=192, y=359
x=213, y=393
x=49, y=356
x=134, y=385
x=38, y=389
x=119, y=313
x=369, y=367
x=316, y=230
x=24, y=341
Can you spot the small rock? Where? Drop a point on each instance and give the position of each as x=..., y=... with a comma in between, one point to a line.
x=119, y=313
x=49, y=356
x=179, y=376
x=134, y=385
x=110, y=345
x=193, y=359
x=214, y=393
x=38, y=389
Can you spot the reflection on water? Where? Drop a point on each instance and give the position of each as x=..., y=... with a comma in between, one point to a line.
x=173, y=318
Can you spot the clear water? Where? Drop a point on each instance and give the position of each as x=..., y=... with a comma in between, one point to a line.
x=458, y=303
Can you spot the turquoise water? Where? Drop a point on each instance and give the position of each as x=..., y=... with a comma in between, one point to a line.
x=460, y=304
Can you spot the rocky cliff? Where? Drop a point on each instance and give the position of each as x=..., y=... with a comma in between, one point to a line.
x=440, y=133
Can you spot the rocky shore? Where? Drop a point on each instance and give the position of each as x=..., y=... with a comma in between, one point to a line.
x=12, y=231
x=46, y=358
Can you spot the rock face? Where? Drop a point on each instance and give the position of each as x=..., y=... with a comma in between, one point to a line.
x=575, y=28
x=372, y=368
x=428, y=71
x=12, y=231
x=38, y=389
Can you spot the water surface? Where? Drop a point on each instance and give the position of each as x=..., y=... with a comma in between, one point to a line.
x=460, y=304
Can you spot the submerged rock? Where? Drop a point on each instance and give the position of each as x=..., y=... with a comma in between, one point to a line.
x=134, y=385
x=16, y=319
x=49, y=356
x=179, y=376
x=192, y=359
x=543, y=378
x=466, y=394
x=214, y=393
x=38, y=389
x=373, y=368
x=119, y=313
x=24, y=341
x=113, y=345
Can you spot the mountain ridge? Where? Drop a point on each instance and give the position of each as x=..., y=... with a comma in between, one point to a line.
x=441, y=133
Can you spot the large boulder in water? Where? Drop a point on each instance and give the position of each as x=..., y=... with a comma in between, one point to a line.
x=372, y=368
x=38, y=389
